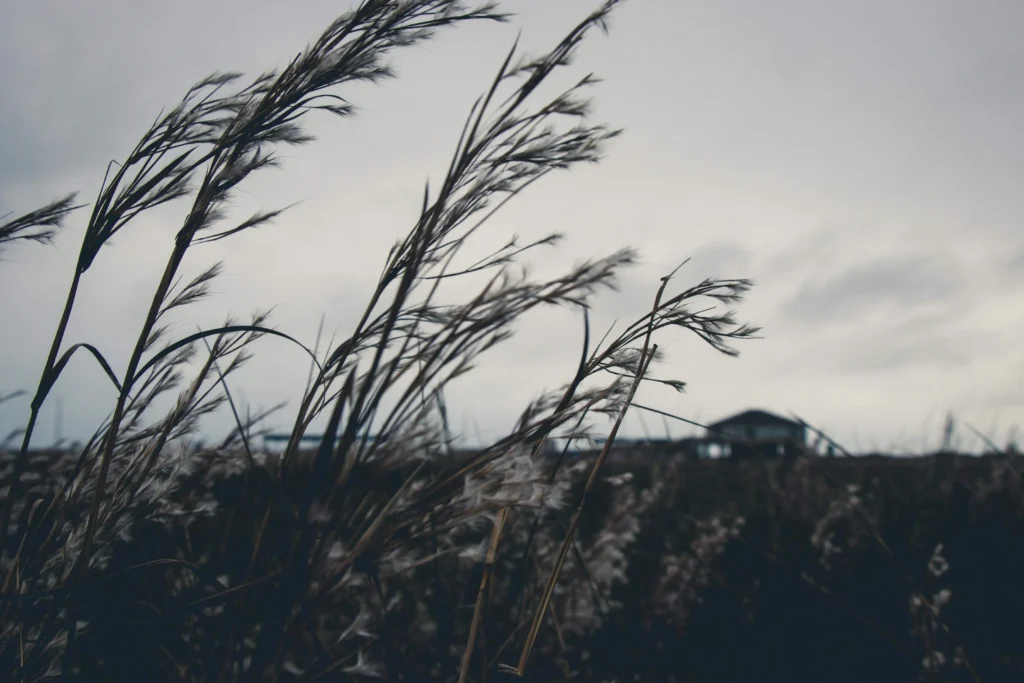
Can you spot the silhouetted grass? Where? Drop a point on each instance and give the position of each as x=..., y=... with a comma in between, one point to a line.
x=390, y=552
x=142, y=558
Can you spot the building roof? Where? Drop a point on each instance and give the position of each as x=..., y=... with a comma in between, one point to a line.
x=754, y=417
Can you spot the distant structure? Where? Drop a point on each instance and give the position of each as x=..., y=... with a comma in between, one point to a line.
x=282, y=439
x=754, y=433
x=279, y=440
x=750, y=434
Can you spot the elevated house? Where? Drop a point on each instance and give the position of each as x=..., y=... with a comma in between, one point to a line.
x=754, y=433
x=750, y=434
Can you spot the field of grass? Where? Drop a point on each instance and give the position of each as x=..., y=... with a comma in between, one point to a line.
x=140, y=556
x=846, y=569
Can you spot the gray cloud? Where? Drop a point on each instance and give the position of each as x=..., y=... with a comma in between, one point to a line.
x=721, y=260
x=1013, y=267
x=886, y=353
x=861, y=161
x=878, y=286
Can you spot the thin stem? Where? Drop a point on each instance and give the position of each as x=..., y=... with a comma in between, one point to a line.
x=646, y=356
x=488, y=570
x=563, y=551
x=37, y=404
x=181, y=245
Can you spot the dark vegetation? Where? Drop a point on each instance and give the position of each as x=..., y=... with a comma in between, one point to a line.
x=140, y=556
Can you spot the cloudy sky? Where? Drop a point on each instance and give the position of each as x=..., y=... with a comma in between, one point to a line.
x=861, y=160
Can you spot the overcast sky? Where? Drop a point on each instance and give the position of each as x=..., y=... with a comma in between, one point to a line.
x=861, y=160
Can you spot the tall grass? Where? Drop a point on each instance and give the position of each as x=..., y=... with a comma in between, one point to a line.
x=311, y=572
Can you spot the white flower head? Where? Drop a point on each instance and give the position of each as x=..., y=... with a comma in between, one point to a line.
x=937, y=564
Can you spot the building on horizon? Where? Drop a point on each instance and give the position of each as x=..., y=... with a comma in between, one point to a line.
x=754, y=433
